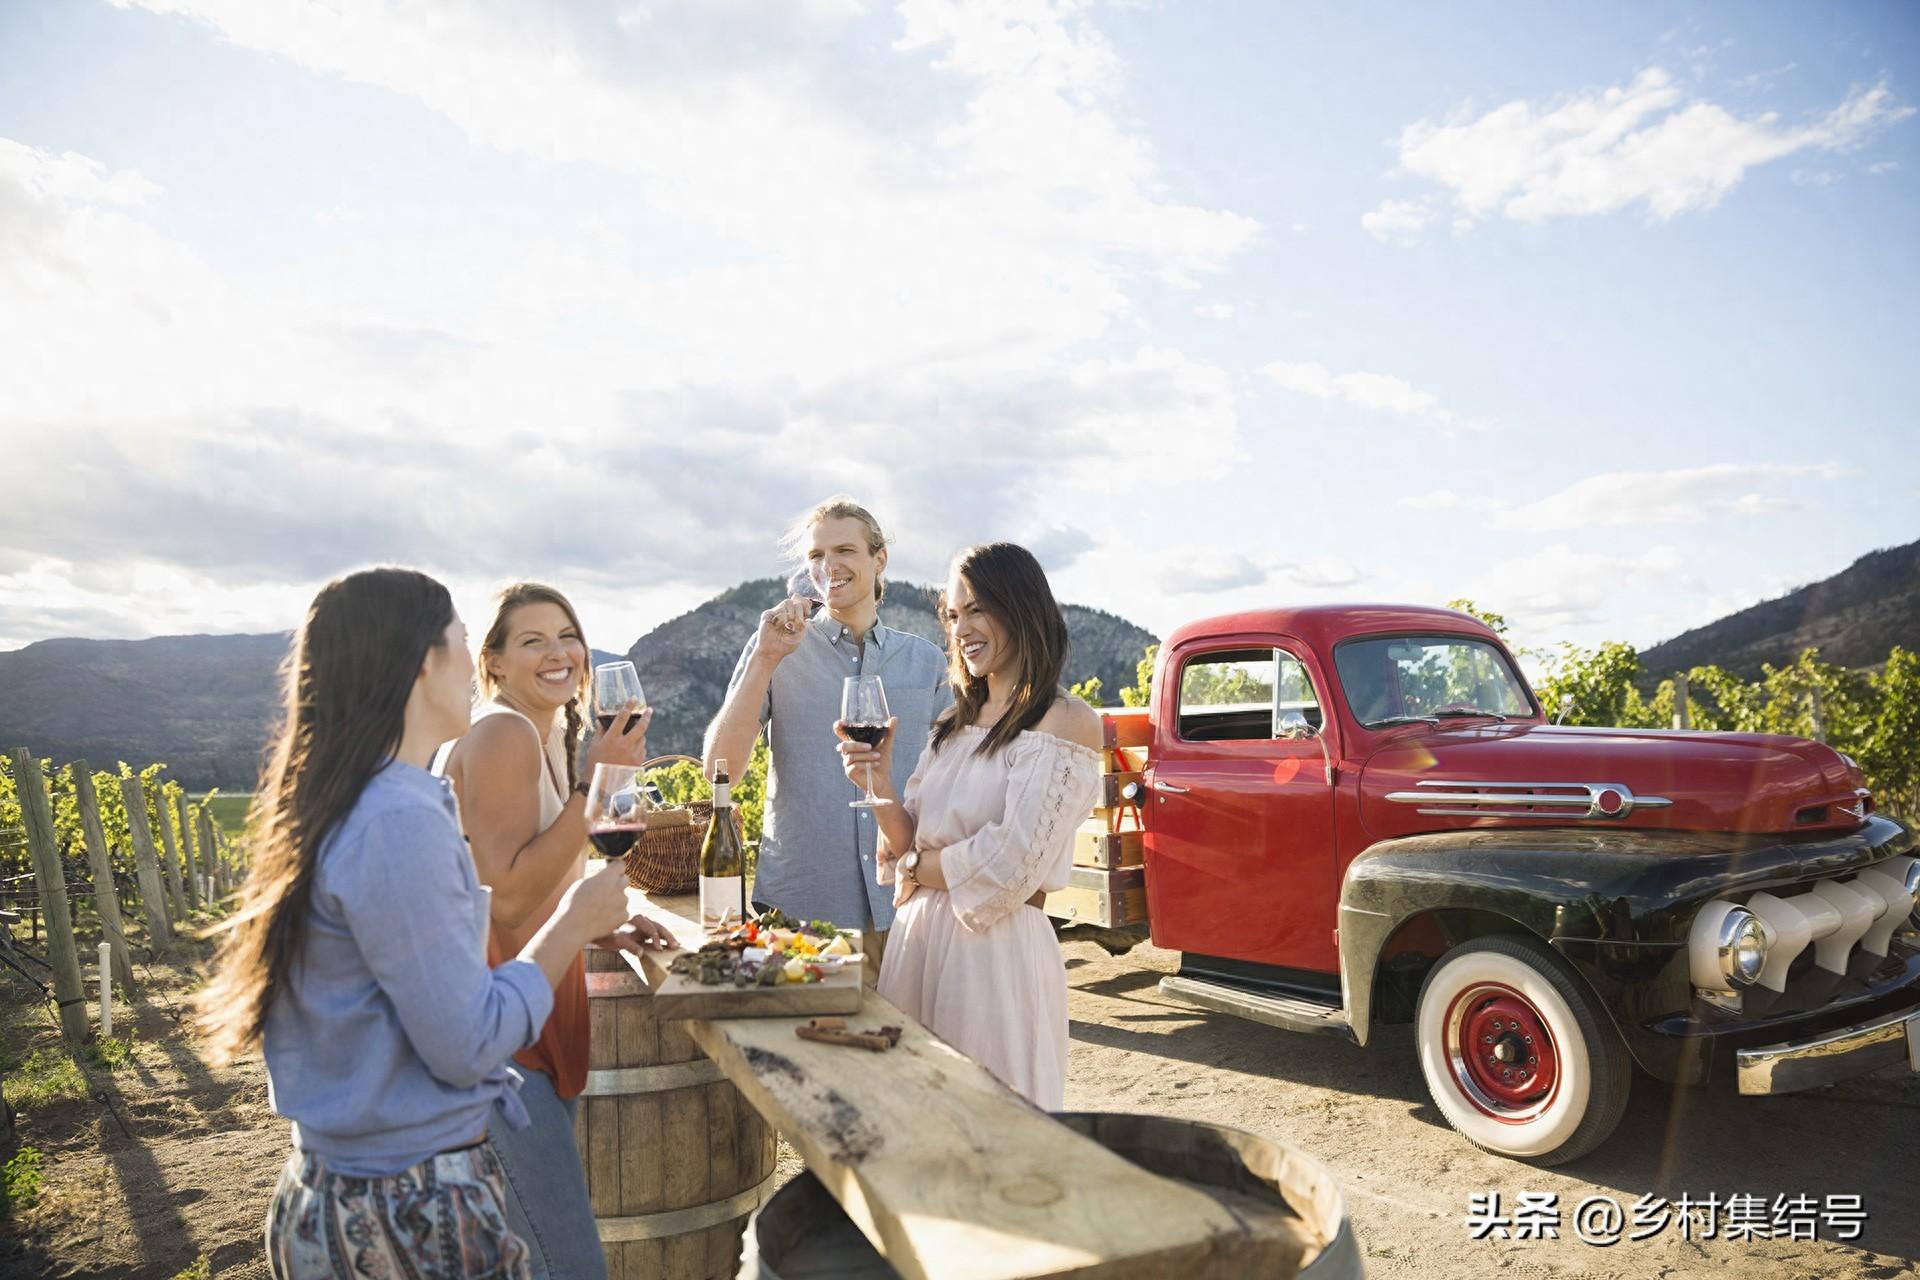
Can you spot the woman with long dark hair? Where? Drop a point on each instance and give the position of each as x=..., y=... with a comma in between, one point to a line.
x=357, y=957
x=984, y=828
x=523, y=807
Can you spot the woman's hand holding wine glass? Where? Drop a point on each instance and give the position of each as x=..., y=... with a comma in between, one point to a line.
x=616, y=809
x=620, y=710
x=866, y=739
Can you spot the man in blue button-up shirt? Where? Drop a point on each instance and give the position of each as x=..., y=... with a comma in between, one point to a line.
x=816, y=857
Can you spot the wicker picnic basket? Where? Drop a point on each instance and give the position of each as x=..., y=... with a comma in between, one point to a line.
x=666, y=857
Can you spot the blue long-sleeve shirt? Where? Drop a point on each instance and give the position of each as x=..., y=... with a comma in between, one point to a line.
x=391, y=1037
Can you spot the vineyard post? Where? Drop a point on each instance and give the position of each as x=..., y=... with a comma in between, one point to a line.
x=236, y=861
x=153, y=897
x=1682, y=714
x=164, y=820
x=1817, y=712
x=210, y=856
x=105, y=900
x=186, y=849
x=36, y=815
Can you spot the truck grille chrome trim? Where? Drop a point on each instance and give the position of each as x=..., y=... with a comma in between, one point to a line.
x=1839, y=919
x=1553, y=801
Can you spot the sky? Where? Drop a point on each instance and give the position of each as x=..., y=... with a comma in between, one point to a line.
x=1590, y=314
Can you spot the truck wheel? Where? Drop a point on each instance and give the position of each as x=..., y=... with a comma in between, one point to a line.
x=1517, y=1055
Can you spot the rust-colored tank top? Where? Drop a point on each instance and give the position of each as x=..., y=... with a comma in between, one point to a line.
x=561, y=1050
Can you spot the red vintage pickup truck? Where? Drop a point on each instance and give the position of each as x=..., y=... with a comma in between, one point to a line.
x=1360, y=814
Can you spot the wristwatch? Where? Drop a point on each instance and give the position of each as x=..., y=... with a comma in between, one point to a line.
x=909, y=865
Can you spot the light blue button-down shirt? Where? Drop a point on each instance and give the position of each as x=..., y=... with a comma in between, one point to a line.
x=390, y=1039
x=816, y=858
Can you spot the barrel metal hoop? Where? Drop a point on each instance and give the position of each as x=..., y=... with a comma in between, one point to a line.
x=622, y=1081
x=616, y=983
x=675, y=1222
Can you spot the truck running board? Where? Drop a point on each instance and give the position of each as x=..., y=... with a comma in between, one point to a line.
x=1275, y=1011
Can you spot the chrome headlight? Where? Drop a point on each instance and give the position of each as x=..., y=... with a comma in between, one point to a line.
x=1743, y=947
x=1726, y=947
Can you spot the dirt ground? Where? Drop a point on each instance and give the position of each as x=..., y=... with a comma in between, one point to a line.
x=1407, y=1177
x=181, y=1191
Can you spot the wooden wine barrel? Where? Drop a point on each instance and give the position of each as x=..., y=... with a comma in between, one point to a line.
x=676, y=1160
x=803, y=1233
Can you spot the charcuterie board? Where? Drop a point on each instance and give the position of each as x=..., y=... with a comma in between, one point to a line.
x=679, y=996
x=832, y=982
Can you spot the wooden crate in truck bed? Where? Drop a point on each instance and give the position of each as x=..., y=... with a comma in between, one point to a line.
x=1108, y=888
x=1095, y=846
x=1108, y=899
x=1126, y=727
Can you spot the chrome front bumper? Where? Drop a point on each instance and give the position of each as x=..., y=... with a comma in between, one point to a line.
x=1838, y=1055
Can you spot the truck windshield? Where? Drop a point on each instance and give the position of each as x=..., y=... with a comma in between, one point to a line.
x=1395, y=678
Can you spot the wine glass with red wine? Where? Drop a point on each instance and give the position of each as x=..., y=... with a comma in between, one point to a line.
x=863, y=714
x=616, y=689
x=616, y=809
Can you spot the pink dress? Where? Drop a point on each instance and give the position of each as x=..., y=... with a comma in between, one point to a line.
x=974, y=962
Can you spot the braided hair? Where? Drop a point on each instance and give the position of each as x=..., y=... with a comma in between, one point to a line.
x=575, y=727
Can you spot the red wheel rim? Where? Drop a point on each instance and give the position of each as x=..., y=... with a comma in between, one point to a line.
x=1502, y=1053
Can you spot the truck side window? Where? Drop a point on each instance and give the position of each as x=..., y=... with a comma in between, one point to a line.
x=1296, y=690
x=1228, y=695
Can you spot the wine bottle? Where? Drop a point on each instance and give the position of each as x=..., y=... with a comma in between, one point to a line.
x=723, y=863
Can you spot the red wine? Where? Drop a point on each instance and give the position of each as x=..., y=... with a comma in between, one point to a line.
x=605, y=721
x=614, y=842
x=868, y=735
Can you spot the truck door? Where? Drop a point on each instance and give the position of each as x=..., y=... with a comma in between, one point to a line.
x=1240, y=852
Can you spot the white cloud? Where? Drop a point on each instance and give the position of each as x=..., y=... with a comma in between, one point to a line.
x=1199, y=571
x=1247, y=578
x=44, y=177
x=1215, y=311
x=918, y=303
x=1381, y=392
x=1681, y=496
x=1329, y=572
x=1398, y=221
x=1552, y=591
x=1643, y=143
x=1448, y=500
x=737, y=116
x=1759, y=79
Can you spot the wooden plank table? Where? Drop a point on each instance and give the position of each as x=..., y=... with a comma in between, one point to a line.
x=948, y=1172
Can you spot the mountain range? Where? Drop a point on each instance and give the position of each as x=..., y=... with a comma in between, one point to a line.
x=204, y=704
x=1854, y=618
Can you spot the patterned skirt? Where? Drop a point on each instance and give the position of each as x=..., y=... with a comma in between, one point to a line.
x=443, y=1217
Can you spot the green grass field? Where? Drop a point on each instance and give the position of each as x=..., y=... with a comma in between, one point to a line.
x=229, y=809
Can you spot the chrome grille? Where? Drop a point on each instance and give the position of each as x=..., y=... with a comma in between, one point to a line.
x=1609, y=801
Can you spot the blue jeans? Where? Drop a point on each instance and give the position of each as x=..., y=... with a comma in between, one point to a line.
x=547, y=1203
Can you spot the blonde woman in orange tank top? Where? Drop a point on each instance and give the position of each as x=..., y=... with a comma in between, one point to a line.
x=523, y=808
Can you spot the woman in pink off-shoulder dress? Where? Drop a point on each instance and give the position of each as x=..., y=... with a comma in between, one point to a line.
x=984, y=828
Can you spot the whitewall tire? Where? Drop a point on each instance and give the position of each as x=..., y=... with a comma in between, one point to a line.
x=1518, y=1056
